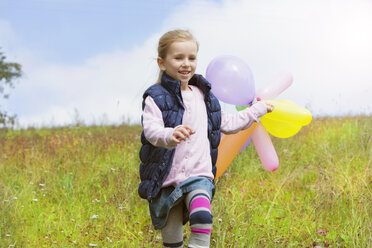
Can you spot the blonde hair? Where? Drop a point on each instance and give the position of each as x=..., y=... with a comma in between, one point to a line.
x=169, y=38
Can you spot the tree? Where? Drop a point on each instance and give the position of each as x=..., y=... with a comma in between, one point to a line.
x=9, y=71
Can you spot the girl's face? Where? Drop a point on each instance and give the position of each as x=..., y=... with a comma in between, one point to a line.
x=180, y=61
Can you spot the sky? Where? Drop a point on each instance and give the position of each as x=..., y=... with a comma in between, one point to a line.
x=90, y=61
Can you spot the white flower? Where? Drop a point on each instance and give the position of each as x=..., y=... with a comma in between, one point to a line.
x=95, y=216
x=92, y=245
x=35, y=200
x=41, y=184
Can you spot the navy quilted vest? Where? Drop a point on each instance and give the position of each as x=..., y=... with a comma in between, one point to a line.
x=156, y=162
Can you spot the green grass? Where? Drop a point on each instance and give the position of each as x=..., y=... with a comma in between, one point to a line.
x=77, y=187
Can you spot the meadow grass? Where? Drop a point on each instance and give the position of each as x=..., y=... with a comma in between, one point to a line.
x=77, y=187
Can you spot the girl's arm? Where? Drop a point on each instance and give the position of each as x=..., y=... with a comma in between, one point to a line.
x=233, y=123
x=156, y=133
x=153, y=126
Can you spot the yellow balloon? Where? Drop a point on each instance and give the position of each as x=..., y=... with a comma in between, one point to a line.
x=280, y=129
x=286, y=119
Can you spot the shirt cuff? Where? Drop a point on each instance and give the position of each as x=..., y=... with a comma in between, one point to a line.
x=258, y=109
x=170, y=144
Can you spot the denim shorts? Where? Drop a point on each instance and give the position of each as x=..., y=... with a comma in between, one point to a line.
x=170, y=196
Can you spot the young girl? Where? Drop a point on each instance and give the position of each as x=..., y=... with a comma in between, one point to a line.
x=182, y=121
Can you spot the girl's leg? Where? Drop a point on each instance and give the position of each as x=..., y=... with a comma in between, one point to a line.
x=198, y=203
x=172, y=232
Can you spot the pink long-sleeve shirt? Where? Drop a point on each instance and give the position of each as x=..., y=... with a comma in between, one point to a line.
x=192, y=156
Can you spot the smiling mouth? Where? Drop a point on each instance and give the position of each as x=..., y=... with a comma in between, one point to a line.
x=184, y=72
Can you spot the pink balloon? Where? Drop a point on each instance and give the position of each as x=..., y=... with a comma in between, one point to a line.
x=231, y=79
x=265, y=148
x=275, y=86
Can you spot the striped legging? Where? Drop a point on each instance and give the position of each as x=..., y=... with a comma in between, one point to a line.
x=198, y=204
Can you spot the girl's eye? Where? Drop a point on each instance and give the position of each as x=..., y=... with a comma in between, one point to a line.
x=178, y=58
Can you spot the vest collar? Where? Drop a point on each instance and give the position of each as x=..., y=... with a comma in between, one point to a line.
x=170, y=84
x=175, y=85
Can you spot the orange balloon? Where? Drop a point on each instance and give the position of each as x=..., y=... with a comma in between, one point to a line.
x=229, y=147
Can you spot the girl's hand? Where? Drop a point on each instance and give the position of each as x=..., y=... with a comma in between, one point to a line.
x=182, y=133
x=269, y=107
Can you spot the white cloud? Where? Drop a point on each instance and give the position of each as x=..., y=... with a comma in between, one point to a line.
x=106, y=88
x=326, y=45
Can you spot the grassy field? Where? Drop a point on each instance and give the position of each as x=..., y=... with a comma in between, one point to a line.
x=77, y=187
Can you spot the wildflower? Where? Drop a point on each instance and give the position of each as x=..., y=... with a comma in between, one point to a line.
x=35, y=200
x=219, y=220
x=242, y=189
x=95, y=216
x=324, y=233
x=226, y=174
x=261, y=183
x=96, y=200
x=140, y=233
x=8, y=235
x=41, y=184
x=92, y=245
